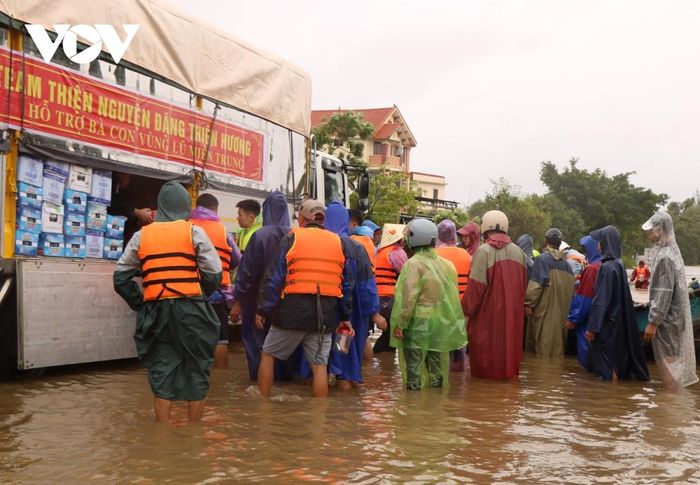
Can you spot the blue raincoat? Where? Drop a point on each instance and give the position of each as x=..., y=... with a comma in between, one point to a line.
x=365, y=300
x=261, y=249
x=617, y=345
x=581, y=304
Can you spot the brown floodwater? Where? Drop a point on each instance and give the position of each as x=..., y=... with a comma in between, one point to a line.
x=94, y=424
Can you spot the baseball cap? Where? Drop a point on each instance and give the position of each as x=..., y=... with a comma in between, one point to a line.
x=312, y=210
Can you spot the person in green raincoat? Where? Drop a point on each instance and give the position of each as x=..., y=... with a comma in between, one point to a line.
x=427, y=319
x=177, y=329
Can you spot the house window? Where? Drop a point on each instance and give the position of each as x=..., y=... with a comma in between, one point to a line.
x=435, y=194
x=377, y=148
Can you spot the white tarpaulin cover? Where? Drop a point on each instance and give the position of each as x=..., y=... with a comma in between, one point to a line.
x=191, y=53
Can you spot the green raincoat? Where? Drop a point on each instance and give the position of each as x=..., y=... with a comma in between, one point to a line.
x=175, y=338
x=428, y=310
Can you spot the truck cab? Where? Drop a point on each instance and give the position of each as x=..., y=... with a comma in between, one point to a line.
x=329, y=180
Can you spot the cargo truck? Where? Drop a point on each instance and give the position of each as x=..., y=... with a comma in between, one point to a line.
x=186, y=102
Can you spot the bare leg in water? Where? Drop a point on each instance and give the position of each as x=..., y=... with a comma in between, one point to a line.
x=221, y=356
x=162, y=407
x=319, y=386
x=266, y=374
x=195, y=409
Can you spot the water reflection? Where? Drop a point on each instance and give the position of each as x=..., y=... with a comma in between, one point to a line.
x=554, y=423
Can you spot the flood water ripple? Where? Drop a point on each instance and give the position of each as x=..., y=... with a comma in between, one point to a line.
x=555, y=424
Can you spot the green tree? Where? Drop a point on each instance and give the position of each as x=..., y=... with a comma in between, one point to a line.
x=525, y=214
x=686, y=223
x=389, y=195
x=459, y=216
x=600, y=200
x=342, y=135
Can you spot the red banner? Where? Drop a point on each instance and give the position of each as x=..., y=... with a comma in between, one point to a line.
x=64, y=103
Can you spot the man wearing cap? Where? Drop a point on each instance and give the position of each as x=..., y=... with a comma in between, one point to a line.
x=307, y=293
x=549, y=294
x=495, y=302
x=388, y=264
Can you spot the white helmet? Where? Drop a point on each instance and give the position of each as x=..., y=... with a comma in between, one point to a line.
x=421, y=232
x=494, y=221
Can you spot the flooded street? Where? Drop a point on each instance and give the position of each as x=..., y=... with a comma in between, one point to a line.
x=95, y=424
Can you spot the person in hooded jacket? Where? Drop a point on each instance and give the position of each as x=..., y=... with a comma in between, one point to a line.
x=527, y=244
x=615, y=343
x=470, y=237
x=447, y=248
x=495, y=302
x=177, y=329
x=581, y=304
x=670, y=327
x=347, y=368
x=548, y=298
x=262, y=246
x=206, y=216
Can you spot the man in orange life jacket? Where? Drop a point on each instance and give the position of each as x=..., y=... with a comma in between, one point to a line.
x=641, y=275
x=390, y=259
x=177, y=329
x=205, y=216
x=446, y=247
x=307, y=288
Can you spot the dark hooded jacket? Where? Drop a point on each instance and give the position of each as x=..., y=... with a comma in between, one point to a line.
x=617, y=345
x=261, y=248
x=527, y=244
x=580, y=307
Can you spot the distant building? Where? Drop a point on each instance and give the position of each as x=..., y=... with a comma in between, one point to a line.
x=389, y=146
x=432, y=192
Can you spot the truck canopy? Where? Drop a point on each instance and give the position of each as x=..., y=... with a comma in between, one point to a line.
x=187, y=51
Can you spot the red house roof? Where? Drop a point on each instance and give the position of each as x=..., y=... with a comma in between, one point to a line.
x=375, y=116
x=379, y=118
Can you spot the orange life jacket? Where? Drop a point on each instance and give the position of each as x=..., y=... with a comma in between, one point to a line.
x=315, y=263
x=217, y=235
x=168, y=261
x=385, y=273
x=462, y=262
x=643, y=272
x=368, y=244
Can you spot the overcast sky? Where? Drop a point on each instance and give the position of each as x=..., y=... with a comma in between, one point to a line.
x=492, y=88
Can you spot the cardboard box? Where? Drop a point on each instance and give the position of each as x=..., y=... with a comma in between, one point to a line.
x=75, y=201
x=30, y=195
x=52, y=218
x=80, y=178
x=96, y=216
x=115, y=227
x=60, y=168
x=74, y=224
x=113, y=248
x=26, y=243
x=54, y=185
x=29, y=219
x=101, y=186
x=52, y=245
x=94, y=244
x=31, y=171
x=75, y=247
